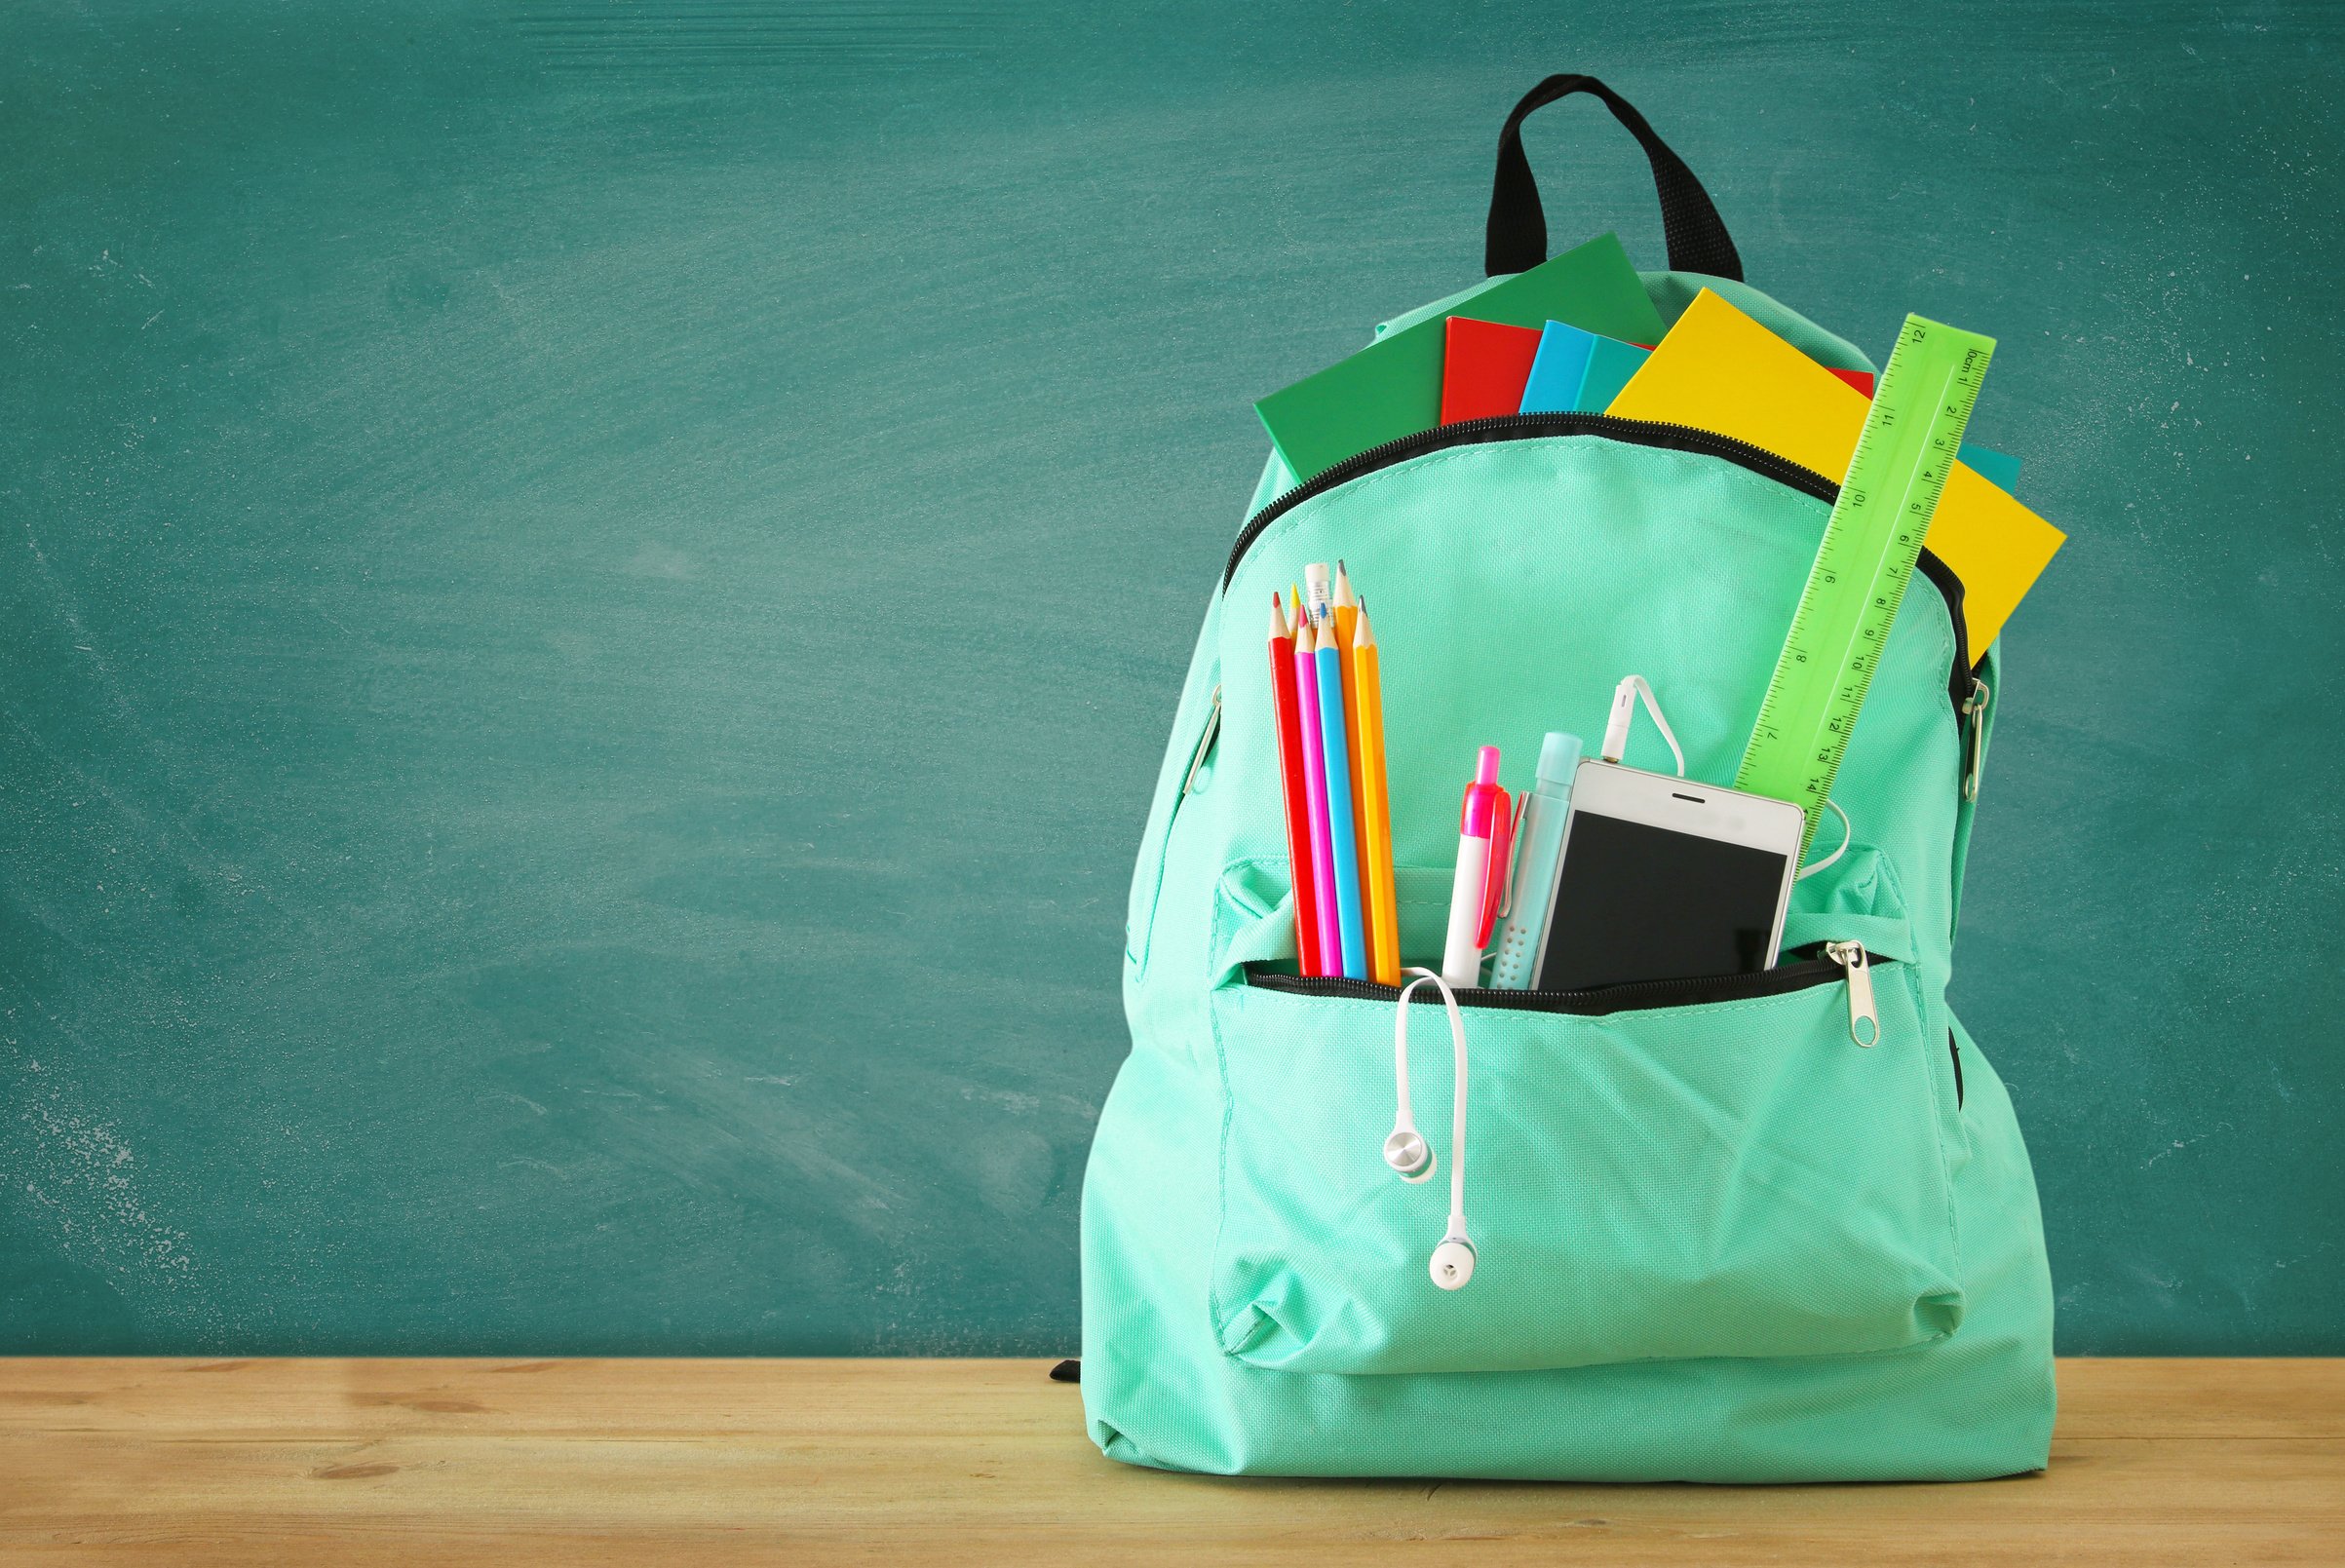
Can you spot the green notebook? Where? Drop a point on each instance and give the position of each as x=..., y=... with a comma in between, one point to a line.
x=1393, y=387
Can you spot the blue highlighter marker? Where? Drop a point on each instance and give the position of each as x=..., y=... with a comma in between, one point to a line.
x=1538, y=857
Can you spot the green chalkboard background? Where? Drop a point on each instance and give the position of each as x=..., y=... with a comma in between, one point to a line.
x=589, y=595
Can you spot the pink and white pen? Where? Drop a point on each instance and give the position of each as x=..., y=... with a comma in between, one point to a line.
x=1485, y=832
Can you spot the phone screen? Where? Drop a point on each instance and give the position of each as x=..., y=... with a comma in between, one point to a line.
x=1637, y=903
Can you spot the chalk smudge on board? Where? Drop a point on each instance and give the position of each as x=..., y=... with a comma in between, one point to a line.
x=2184, y=1143
x=86, y=1178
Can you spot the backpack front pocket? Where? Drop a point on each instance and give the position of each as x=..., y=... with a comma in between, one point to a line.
x=1729, y=1176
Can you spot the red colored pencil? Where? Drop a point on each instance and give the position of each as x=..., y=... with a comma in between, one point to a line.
x=1289, y=709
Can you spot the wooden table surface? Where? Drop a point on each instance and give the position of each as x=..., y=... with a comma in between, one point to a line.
x=432, y=1462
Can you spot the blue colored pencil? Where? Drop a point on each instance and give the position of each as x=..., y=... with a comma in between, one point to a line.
x=1351, y=932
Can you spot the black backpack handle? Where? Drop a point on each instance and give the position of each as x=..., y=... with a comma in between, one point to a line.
x=1517, y=234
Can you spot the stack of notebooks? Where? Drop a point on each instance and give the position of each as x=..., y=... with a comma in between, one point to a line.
x=1579, y=334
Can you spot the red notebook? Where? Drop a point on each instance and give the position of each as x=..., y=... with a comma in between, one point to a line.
x=1861, y=380
x=1484, y=366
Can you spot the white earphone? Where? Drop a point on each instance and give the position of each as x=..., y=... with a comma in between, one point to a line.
x=1411, y=1156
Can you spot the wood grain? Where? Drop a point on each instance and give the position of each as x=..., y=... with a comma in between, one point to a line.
x=436, y=1462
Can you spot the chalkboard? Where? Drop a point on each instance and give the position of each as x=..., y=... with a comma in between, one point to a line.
x=594, y=594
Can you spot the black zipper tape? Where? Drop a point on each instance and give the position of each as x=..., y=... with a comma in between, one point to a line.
x=1960, y=682
x=1629, y=432
x=1527, y=427
x=1644, y=997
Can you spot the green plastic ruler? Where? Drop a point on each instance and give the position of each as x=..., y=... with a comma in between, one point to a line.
x=1871, y=544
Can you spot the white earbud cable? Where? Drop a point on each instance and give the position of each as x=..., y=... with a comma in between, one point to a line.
x=1624, y=709
x=1616, y=741
x=1406, y=1151
x=1848, y=831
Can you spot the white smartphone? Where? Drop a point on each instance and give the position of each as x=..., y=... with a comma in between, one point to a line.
x=1666, y=879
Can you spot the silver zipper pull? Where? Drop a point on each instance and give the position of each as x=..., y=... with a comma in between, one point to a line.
x=1204, y=742
x=1973, y=708
x=1864, y=1023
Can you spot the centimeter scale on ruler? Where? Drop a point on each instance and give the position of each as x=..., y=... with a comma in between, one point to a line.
x=1871, y=544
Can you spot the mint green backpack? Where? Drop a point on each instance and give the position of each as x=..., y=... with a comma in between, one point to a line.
x=1716, y=1239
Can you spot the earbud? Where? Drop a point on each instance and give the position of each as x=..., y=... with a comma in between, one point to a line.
x=1452, y=1262
x=1407, y=1153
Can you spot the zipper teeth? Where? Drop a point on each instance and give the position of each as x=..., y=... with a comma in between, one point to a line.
x=1781, y=981
x=1635, y=432
x=1473, y=432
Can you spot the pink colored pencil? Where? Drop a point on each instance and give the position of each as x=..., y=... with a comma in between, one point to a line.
x=1315, y=791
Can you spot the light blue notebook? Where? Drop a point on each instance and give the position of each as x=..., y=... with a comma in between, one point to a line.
x=1577, y=371
x=1562, y=359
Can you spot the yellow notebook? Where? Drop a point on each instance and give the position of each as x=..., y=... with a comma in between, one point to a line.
x=1719, y=369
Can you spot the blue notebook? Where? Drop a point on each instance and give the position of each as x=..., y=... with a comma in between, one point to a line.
x=1562, y=359
x=1578, y=372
